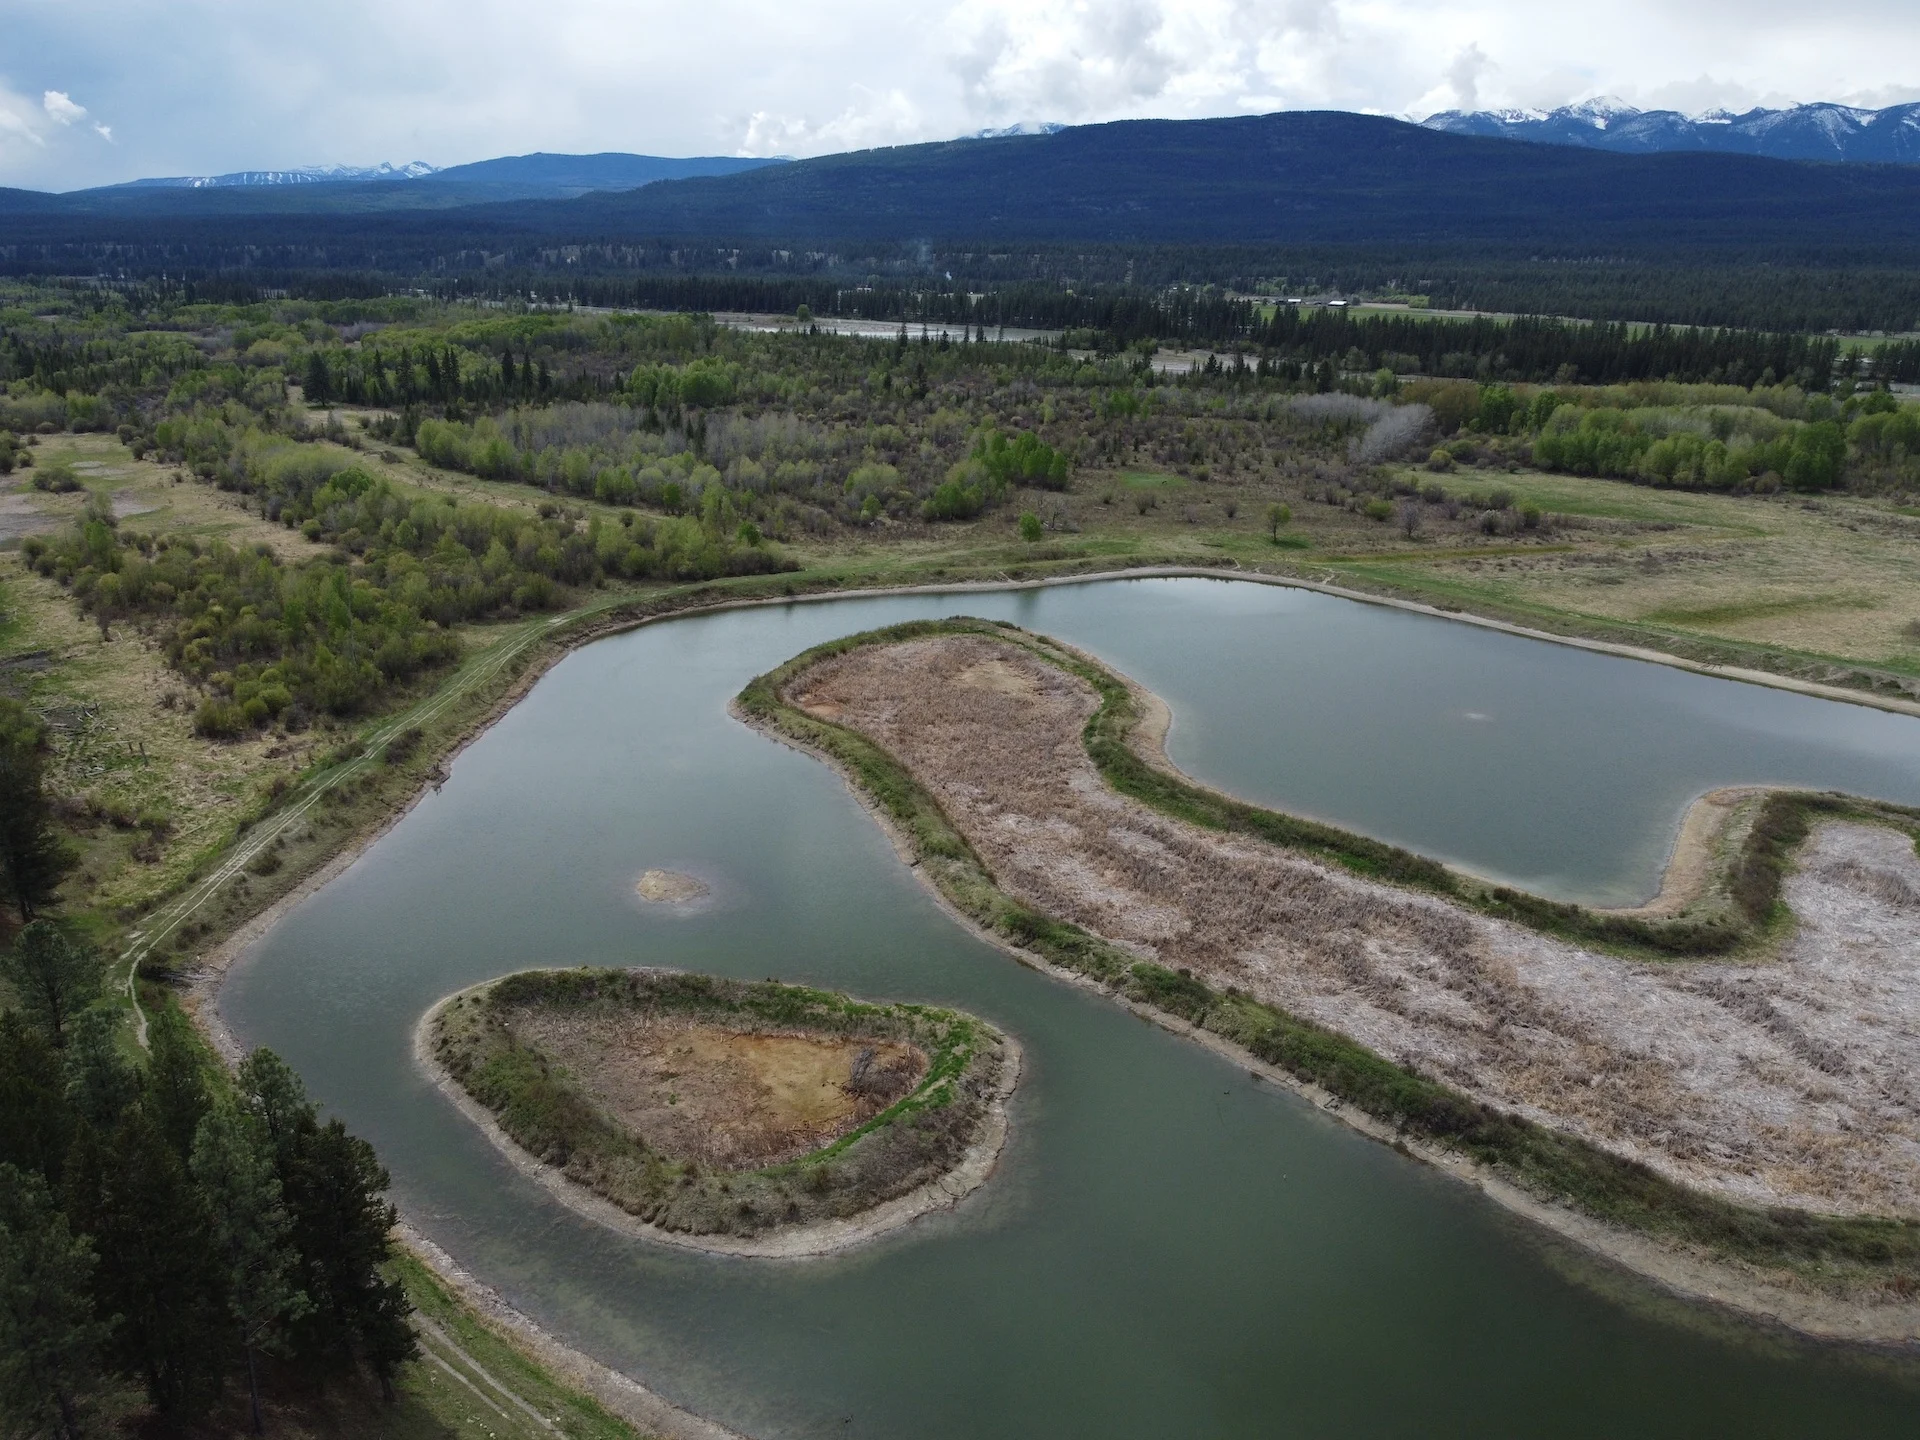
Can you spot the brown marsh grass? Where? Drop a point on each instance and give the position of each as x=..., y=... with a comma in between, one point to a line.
x=1785, y=1082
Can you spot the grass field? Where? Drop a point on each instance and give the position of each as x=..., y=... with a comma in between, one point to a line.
x=1828, y=578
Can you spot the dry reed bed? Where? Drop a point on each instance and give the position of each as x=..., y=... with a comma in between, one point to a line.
x=1790, y=1082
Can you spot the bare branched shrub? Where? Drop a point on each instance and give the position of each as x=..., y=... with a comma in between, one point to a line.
x=1401, y=432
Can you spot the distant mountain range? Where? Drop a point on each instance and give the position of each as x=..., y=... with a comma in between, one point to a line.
x=1293, y=177
x=1804, y=132
x=1296, y=178
x=353, y=189
x=305, y=175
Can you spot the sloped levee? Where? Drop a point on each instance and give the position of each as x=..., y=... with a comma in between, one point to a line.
x=1723, y=1077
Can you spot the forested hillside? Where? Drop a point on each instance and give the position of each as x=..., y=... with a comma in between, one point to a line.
x=1328, y=201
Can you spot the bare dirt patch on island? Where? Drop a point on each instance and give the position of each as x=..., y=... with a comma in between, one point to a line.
x=728, y=1099
x=1789, y=1081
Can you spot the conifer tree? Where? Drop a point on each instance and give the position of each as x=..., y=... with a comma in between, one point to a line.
x=158, y=1272
x=177, y=1094
x=49, y=1336
x=341, y=1226
x=100, y=1083
x=342, y=1229
x=55, y=976
x=36, y=1120
x=233, y=1166
x=33, y=858
x=318, y=383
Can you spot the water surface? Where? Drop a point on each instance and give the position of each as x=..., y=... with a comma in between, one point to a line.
x=1170, y=1248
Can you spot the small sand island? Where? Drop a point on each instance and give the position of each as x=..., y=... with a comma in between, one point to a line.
x=1717, y=1087
x=744, y=1118
x=670, y=887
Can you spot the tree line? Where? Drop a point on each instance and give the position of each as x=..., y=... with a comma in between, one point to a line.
x=1529, y=348
x=164, y=1225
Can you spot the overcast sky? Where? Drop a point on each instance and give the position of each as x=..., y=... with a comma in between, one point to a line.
x=94, y=91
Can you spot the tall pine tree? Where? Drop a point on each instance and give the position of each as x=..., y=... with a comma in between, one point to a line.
x=33, y=858
x=158, y=1269
x=334, y=1189
x=55, y=976
x=233, y=1166
x=49, y=1337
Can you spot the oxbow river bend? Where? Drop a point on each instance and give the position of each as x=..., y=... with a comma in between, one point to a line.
x=1170, y=1247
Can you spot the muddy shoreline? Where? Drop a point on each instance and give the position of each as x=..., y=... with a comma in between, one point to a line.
x=799, y=1242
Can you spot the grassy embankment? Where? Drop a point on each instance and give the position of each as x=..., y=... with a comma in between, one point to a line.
x=541, y=1103
x=1818, y=588
x=471, y=1383
x=1859, y=1252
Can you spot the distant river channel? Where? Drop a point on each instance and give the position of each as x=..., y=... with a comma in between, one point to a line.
x=1170, y=1248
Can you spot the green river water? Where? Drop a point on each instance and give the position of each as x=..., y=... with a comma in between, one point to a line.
x=1169, y=1248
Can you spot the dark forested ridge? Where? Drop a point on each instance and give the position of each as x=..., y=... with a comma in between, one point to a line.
x=1300, y=177
x=1292, y=178
x=538, y=176
x=1305, y=201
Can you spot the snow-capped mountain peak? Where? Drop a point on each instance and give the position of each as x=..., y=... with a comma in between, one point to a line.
x=1599, y=112
x=1800, y=132
x=299, y=175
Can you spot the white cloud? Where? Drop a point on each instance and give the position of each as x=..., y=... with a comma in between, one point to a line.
x=59, y=105
x=1464, y=76
x=105, y=132
x=870, y=118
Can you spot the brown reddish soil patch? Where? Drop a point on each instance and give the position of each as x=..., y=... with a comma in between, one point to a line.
x=1782, y=1083
x=729, y=1099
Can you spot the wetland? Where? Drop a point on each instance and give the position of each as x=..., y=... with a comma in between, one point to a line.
x=1373, y=1291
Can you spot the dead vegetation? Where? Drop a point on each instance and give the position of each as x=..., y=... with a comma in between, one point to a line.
x=723, y=1098
x=717, y=1107
x=1780, y=1083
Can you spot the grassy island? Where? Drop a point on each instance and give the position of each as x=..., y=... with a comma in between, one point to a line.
x=1668, y=1073
x=707, y=1107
